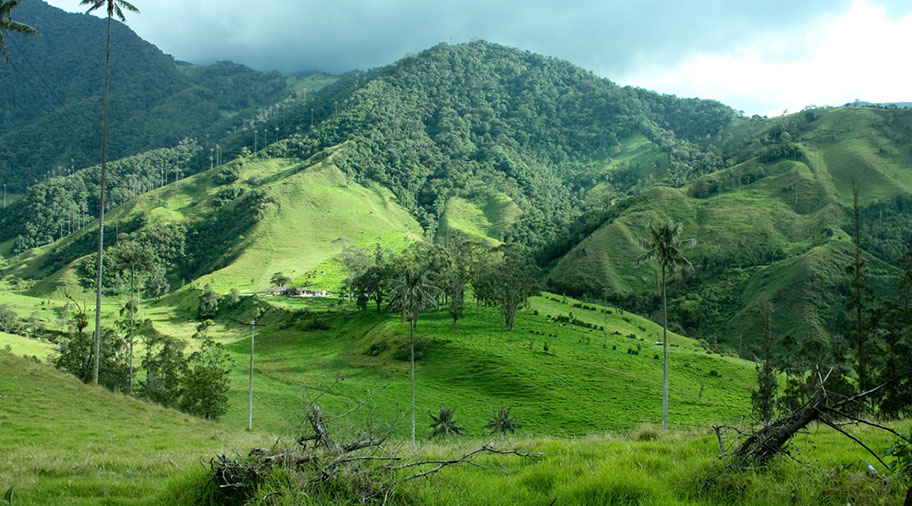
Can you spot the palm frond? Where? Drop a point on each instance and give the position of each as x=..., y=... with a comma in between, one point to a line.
x=663, y=245
x=21, y=28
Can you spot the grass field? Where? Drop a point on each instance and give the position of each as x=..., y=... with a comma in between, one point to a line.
x=27, y=347
x=71, y=444
x=576, y=387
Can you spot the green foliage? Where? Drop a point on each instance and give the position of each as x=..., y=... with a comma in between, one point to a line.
x=517, y=124
x=502, y=422
x=316, y=324
x=204, y=389
x=763, y=399
x=514, y=278
x=9, y=320
x=203, y=329
x=901, y=452
x=165, y=368
x=892, y=324
x=444, y=423
x=208, y=304
x=7, y=499
x=64, y=204
x=77, y=358
x=155, y=101
x=279, y=279
x=228, y=175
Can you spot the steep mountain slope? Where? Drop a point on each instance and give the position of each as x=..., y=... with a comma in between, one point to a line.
x=504, y=145
x=772, y=228
x=278, y=215
x=50, y=110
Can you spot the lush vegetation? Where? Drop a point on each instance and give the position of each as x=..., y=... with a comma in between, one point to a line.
x=438, y=196
x=161, y=466
x=52, y=102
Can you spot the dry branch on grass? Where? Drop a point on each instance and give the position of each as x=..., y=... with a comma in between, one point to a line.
x=365, y=467
x=774, y=437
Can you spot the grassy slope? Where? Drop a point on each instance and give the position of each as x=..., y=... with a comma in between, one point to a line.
x=576, y=388
x=27, y=347
x=843, y=146
x=70, y=444
x=486, y=221
x=318, y=206
x=67, y=443
x=647, y=467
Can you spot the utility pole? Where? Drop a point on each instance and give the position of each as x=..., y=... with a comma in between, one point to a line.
x=253, y=324
x=605, y=327
x=250, y=387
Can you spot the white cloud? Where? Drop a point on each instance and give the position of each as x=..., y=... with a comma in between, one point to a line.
x=859, y=54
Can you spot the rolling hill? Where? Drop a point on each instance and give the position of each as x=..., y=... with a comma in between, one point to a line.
x=503, y=145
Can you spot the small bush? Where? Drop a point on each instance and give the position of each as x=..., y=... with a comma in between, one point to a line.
x=316, y=324
x=376, y=349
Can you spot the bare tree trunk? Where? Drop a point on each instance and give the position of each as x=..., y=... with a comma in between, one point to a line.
x=605, y=327
x=132, y=309
x=412, y=346
x=665, y=354
x=101, y=208
x=250, y=381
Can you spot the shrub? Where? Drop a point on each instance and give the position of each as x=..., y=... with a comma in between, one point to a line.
x=444, y=424
x=8, y=319
x=204, y=391
x=501, y=422
x=208, y=304
x=316, y=324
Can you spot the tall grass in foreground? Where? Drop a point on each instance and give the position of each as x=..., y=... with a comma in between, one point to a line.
x=645, y=466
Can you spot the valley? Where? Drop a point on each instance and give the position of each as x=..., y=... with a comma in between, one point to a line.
x=478, y=220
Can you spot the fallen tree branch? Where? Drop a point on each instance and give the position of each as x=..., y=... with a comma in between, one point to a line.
x=826, y=421
x=772, y=439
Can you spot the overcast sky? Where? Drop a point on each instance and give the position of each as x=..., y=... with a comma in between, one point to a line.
x=762, y=57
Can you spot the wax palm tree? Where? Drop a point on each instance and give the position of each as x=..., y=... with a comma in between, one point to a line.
x=502, y=422
x=114, y=8
x=131, y=256
x=664, y=246
x=411, y=293
x=7, y=24
x=445, y=423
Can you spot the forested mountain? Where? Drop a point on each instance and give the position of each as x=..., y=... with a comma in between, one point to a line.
x=500, y=144
x=50, y=107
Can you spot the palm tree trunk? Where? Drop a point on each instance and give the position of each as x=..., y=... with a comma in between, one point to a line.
x=665, y=354
x=101, y=207
x=132, y=309
x=412, y=346
x=250, y=381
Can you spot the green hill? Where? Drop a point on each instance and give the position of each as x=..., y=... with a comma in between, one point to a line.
x=769, y=228
x=52, y=102
x=68, y=443
x=575, y=387
x=503, y=145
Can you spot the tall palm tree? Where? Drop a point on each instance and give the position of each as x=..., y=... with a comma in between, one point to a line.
x=664, y=246
x=131, y=256
x=114, y=8
x=411, y=293
x=7, y=23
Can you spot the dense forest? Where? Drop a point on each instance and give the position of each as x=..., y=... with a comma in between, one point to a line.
x=584, y=163
x=50, y=108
